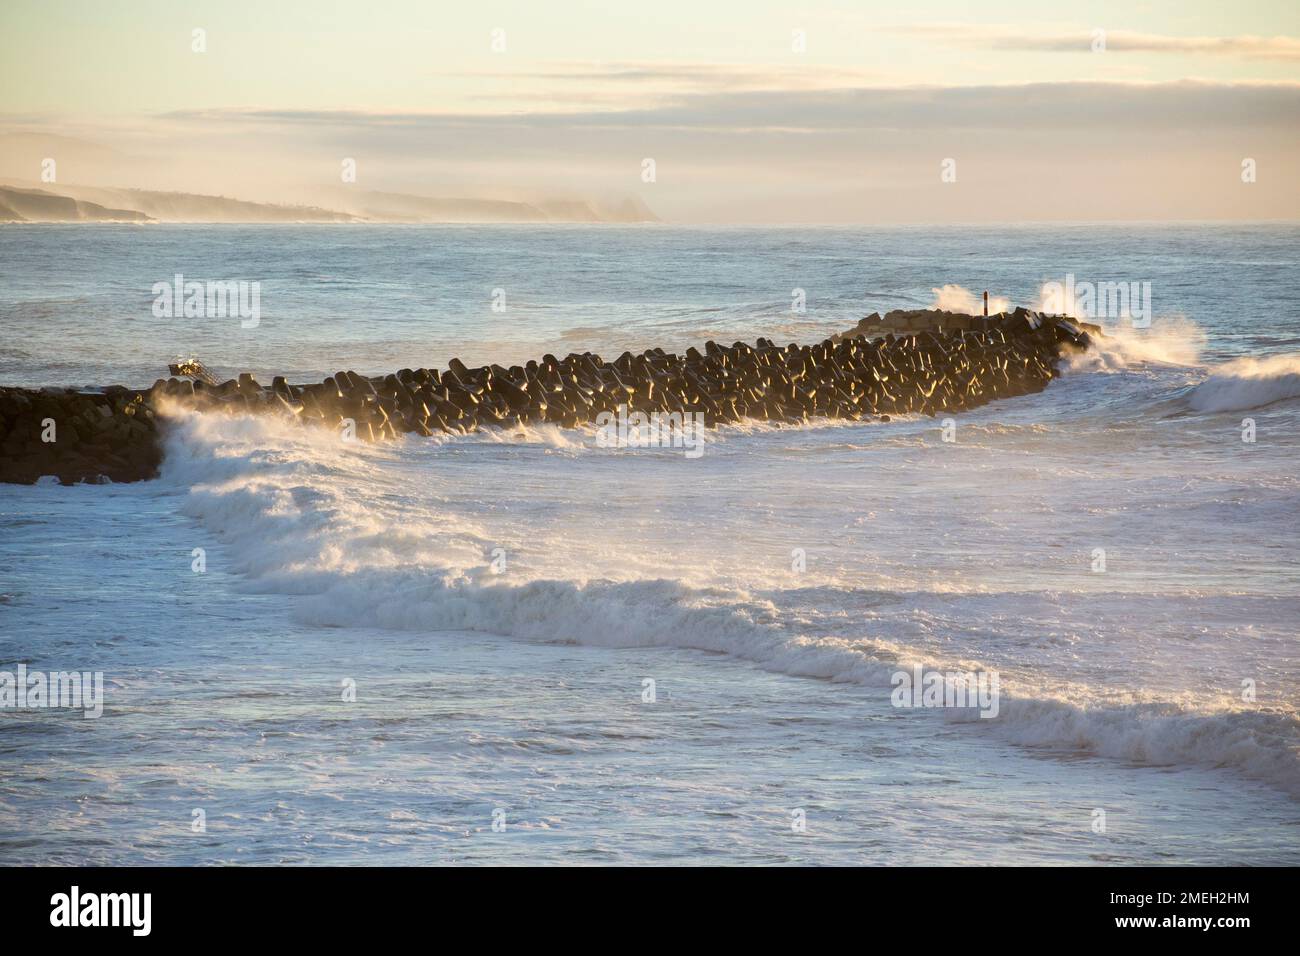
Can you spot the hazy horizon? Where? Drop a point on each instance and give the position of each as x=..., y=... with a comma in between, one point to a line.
x=745, y=114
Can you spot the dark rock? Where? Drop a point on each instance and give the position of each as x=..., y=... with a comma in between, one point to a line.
x=908, y=362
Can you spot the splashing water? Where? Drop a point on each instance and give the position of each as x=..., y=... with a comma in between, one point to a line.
x=954, y=298
x=1248, y=383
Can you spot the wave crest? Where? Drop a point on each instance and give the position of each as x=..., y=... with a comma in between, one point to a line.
x=1248, y=383
x=300, y=517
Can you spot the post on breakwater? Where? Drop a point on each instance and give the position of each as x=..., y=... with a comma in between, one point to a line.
x=919, y=361
x=986, y=303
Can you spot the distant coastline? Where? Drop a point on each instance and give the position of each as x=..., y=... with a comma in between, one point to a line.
x=51, y=203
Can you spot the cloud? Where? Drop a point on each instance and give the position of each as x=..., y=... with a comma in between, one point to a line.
x=1013, y=38
x=1029, y=151
x=1118, y=107
x=609, y=85
x=697, y=75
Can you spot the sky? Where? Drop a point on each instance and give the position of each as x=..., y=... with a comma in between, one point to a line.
x=750, y=111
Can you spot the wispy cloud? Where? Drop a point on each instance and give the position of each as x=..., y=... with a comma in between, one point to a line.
x=622, y=84
x=1024, y=151
x=1081, y=41
x=684, y=74
x=888, y=110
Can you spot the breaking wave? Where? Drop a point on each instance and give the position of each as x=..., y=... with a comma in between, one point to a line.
x=1248, y=383
x=300, y=516
x=1173, y=341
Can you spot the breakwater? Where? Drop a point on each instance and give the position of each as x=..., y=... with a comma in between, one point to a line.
x=905, y=362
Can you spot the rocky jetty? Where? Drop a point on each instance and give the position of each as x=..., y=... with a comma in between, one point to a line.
x=923, y=362
x=77, y=436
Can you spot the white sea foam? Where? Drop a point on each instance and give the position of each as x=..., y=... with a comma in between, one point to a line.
x=1169, y=341
x=302, y=515
x=1176, y=342
x=1248, y=383
x=972, y=553
x=1239, y=385
x=955, y=298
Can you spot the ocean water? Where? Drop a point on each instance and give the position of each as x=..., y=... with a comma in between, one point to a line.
x=769, y=588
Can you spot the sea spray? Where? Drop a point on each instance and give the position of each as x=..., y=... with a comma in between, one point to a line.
x=297, y=524
x=1248, y=383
